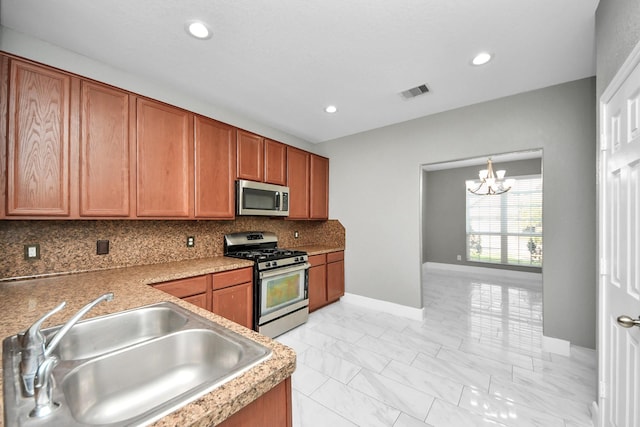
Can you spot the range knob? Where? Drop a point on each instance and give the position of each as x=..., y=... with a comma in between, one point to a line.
x=274, y=264
x=268, y=264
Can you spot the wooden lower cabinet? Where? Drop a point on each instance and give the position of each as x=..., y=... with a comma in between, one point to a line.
x=228, y=294
x=326, y=279
x=271, y=409
x=317, y=281
x=235, y=303
x=233, y=295
x=335, y=275
x=196, y=290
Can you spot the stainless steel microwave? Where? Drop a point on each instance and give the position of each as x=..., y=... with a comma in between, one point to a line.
x=259, y=198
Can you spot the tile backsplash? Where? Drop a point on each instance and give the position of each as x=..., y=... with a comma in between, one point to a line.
x=70, y=246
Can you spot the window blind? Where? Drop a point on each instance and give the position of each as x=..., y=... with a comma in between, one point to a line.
x=507, y=228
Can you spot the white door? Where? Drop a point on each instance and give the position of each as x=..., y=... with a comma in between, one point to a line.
x=619, y=212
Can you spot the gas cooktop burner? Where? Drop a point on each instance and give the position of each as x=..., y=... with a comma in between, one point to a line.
x=261, y=247
x=261, y=254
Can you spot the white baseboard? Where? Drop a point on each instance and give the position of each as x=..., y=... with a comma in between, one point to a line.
x=556, y=345
x=384, y=306
x=472, y=269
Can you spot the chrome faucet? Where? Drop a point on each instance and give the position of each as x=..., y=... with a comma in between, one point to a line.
x=36, y=359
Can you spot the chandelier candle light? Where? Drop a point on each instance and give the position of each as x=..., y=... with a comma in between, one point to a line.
x=490, y=184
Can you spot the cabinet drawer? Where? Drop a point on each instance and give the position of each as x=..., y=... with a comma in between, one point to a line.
x=335, y=256
x=233, y=277
x=199, y=300
x=317, y=259
x=184, y=287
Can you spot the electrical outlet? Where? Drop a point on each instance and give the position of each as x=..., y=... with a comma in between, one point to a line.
x=296, y=234
x=102, y=247
x=459, y=257
x=191, y=241
x=32, y=251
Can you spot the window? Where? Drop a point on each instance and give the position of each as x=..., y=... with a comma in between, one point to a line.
x=507, y=228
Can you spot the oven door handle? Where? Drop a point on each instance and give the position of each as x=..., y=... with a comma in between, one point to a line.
x=280, y=271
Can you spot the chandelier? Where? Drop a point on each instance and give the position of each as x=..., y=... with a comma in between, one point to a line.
x=490, y=184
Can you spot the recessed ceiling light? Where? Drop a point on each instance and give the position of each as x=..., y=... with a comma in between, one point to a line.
x=331, y=109
x=198, y=29
x=481, y=58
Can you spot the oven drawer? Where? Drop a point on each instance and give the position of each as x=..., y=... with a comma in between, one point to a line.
x=233, y=277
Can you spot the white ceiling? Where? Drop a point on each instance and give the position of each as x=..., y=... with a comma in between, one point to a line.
x=280, y=62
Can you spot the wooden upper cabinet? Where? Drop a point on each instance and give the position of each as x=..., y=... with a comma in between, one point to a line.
x=275, y=162
x=215, y=169
x=298, y=182
x=38, y=146
x=4, y=106
x=250, y=156
x=319, y=187
x=105, y=151
x=164, y=160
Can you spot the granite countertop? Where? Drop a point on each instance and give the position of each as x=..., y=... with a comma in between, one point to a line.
x=318, y=249
x=23, y=302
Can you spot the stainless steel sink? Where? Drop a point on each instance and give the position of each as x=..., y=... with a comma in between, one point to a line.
x=153, y=360
x=101, y=335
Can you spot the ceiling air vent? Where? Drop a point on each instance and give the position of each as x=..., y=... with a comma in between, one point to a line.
x=415, y=91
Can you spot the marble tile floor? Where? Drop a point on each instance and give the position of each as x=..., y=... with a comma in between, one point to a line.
x=475, y=360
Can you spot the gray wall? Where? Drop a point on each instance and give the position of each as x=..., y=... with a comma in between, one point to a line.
x=375, y=192
x=444, y=199
x=617, y=33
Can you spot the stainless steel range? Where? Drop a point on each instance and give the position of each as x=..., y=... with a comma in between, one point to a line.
x=280, y=280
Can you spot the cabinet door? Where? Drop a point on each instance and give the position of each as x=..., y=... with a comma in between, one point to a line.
x=165, y=160
x=215, y=166
x=275, y=162
x=4, y=106
x=235, y=303
x=298, y=182
x=250, y=156
x=317, y=286
x=38, y=146
x=199, y=300
x=319, y=187
x=335, y=276
x=105, y=151
x=271, y=409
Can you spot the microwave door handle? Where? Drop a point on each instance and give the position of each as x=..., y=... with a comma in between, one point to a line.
x=277, y=200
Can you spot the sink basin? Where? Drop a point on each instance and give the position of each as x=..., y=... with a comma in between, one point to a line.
x=112, y=389
x=149, y=362
x=104, y=334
